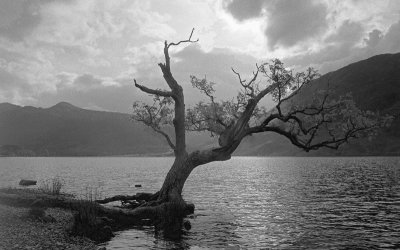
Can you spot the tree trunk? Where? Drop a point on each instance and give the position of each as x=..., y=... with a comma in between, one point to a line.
x=175, y=180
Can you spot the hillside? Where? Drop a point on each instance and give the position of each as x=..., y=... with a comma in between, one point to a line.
x=374, y=84
x=65, y=130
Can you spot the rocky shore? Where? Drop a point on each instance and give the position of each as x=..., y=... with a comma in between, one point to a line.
x=18, y=230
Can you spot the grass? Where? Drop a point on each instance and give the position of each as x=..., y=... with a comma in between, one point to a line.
x=87, y=207
x=86, y=219
x=52, y=186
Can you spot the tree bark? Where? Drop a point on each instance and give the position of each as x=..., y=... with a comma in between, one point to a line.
x=172, y=187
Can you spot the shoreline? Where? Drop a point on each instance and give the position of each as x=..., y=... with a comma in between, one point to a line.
x=19, y=231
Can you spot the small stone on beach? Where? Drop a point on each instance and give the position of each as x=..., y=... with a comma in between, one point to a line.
x=27, y=182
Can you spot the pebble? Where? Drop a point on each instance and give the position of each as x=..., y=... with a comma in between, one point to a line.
x=18, y=231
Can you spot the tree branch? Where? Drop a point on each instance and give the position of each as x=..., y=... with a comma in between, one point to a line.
x=153, y=91
x=331, y=143
x=166, y=136
x=184, y=41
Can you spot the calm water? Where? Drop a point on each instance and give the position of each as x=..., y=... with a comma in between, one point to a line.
x=284, y=203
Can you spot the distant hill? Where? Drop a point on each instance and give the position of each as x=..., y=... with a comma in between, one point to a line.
x=374, y=84
x=66, y=130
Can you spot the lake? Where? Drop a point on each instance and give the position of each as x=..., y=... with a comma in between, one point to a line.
x=247, y=202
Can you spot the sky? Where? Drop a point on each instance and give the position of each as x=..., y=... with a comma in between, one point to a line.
x=87, y=52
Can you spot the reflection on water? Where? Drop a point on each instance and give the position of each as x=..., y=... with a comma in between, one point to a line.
x=285, y=203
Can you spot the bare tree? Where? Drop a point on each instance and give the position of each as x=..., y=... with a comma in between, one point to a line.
x=323, y=123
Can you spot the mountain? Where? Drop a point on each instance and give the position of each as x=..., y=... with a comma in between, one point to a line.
x=374, y=84
x=66, y=130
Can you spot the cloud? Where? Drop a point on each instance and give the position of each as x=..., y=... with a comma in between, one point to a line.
x=49, y=46
x=12, y=86
x=18, y=18
x=391, y=40
x=88, y=51
x=373, y=38
x=216, y=66
x=112, y=98
x=243, y=10
x=349, y=32
x=288, y=22
x=350, y=43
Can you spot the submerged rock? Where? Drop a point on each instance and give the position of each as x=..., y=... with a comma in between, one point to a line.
x=187, y=225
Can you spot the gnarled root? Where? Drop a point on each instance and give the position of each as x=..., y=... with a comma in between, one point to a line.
x=137, y=197
x=165, y=214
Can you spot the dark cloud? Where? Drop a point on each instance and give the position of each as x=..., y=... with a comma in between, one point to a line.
x=288, y=21
x=373, y=38
x=292, y=21
x=243, y=10
x=18, y=18
x=339, y=45
x=342, y=49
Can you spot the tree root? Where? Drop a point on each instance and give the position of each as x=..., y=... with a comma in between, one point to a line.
x=166, y=216
x=137, y=197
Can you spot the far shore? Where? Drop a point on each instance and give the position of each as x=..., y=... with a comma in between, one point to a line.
x=172, y=156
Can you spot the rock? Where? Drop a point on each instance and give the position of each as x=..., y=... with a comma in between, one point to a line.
x=189, y=208
x=138, y=185
x=187, y=225
x=27, y=182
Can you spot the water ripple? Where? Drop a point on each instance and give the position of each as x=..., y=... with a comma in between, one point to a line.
x=249, y=203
